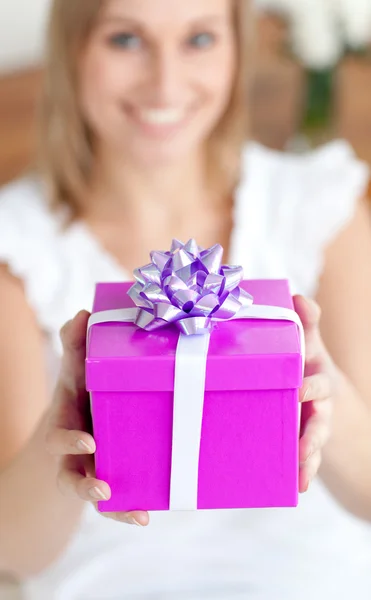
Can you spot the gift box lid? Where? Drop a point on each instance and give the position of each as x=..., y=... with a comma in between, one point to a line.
x=243, y=355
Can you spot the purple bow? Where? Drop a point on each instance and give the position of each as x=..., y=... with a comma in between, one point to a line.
x=187, y=286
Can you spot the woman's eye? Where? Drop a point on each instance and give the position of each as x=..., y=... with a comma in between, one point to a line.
x=202, y=40
x=127, y=41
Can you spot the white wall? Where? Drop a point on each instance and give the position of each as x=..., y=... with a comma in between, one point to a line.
x=22, y=32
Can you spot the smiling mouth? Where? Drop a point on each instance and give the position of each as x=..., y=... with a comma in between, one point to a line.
x=163, y=116
x=158, y=119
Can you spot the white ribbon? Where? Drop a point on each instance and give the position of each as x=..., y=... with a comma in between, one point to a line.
x=189, y=391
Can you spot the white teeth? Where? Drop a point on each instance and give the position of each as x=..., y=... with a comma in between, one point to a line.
x=161, y=117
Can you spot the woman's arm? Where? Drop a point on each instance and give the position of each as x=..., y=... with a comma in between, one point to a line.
x=344, y=296
x=36, y=521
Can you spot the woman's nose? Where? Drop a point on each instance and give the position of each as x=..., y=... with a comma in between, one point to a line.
x=166, y=76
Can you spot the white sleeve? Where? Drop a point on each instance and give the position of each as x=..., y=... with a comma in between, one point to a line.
x=28, y=245
x=318, y=203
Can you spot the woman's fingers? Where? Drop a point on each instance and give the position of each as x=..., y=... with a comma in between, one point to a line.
x=316, y=394
x=73, y=482
x=316, y=435
x=139, y=518
x=308, y=471
x=69, y=415
x=73, y=337
x=61, y=442
x=73, y=333
x=65, y=440
x=308, y=311
x=310, y=315
x=317, y=387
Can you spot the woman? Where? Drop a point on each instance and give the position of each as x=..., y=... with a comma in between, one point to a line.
x=142, y=142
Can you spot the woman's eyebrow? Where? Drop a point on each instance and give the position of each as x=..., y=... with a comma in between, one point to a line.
x=117, y=20
x=112, y=19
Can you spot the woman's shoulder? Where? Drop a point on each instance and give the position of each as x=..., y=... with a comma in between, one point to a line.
x=31, y=246
x=302, y=201
x=58, y=262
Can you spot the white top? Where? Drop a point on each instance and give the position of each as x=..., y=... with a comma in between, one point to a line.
x=287, y=209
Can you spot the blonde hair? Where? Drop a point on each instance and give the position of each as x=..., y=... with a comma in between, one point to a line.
x=66, y=153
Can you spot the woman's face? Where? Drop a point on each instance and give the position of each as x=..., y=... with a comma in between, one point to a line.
x=156, y=76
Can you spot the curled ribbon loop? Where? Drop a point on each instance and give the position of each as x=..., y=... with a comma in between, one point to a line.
x=187, y=286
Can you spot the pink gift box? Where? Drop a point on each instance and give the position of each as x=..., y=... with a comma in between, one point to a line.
x=250, y=430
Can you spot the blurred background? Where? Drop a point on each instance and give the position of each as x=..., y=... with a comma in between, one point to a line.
x=312, y=80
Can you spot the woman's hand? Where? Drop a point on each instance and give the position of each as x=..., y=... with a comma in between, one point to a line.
x=67, y=437
x=316, y=394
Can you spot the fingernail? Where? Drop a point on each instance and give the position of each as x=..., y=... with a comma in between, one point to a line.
x=135, y=522
x=79, y=315
x=64, y=329
x=97, y=494
x=306, y=488
x=84, y=447
x=307, y=394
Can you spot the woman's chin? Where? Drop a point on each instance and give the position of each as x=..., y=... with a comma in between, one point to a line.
x=157, y=155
